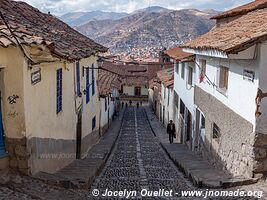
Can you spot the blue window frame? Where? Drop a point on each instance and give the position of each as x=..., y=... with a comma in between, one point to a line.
x=93, y=80
x=59, y=90
x=87, y=86
x=94, y=123
x=78, y=83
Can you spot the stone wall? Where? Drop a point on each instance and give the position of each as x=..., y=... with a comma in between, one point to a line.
x=233, y=150
x=19, y=154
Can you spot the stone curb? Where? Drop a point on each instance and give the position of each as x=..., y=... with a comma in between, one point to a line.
x=94, y=165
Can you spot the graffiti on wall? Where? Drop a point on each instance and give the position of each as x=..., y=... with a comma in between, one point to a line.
x=12, y=114
x=259, y=97
x=13, y=99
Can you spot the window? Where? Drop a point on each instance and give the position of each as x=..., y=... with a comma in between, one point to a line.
x=78, y=85
x=202, y=70
x=222, y=79
x=87, y=86
x=59, y=90
x=190, y=76
x=182, y=107
x=94, y=123
x=183, y=70
x=203, y=122
x=106, y=106
x=93, y=80
x=216, y=133
x=176, y=66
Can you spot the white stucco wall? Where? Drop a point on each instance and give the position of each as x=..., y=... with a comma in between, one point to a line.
x=40, y=102
x=241, y=93
x=129, y=90
x=12, y=64
x=167, y=102
x=185, y=91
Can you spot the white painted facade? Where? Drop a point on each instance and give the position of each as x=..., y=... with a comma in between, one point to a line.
x=130, y=90
x=240, y=95
x=185, y=91
x=166, y=104
x=109, y=105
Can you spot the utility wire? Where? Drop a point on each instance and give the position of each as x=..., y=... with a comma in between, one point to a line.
x=15, y=37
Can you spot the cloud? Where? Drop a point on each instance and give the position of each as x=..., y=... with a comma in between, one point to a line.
x=59, y=7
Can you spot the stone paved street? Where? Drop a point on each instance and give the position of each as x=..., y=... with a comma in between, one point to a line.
x=137, y=162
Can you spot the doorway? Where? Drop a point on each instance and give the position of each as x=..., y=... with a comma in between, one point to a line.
x=79, y=135
x=137, y=91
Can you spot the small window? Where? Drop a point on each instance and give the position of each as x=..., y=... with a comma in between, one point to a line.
x=222, y=79
x=182, y=107
x=106, y=106
x=94, y=123
x=59, y=90
x=176, y=65
x=202, y=70
x=183, y=70
x=190, y=76
x=216, y=132
x=87, y=86
x=93, y=80
x=203, y=122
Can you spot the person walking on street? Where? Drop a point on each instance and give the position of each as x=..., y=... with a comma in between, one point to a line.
x=171, y=131
x=137, y=105
x=122, y=104
x=130, y=102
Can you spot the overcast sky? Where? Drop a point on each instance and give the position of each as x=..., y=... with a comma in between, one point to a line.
x=60, y=7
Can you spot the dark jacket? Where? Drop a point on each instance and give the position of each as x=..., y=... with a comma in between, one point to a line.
x=171, y=130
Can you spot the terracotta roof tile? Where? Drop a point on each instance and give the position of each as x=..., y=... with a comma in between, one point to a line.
x=178, y=54
x=31, y=26
x=235, y=36
x=166, y=76
x=244, y=9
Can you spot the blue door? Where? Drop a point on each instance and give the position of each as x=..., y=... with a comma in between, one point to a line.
x=2, y=144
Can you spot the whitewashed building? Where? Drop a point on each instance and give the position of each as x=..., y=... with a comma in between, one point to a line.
x=230, y=91
x=166, y=95
x=183, y=105
x=49, y=96
x=109, y=87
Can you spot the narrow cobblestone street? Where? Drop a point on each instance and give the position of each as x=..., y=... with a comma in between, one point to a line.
x=138, y=162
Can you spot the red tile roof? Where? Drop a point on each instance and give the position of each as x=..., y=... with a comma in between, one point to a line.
x=166, y=76
x=109, y=79
x=244, y=9
x=32, y=27
x=235, y=36
x=127, y=74
x=178, y=54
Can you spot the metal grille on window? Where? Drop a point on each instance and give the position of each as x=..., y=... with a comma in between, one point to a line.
x=216, y=131
x=59, y=90
x=93, y=80
x=78, y=89
x=94, y=123
x=87, y=86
